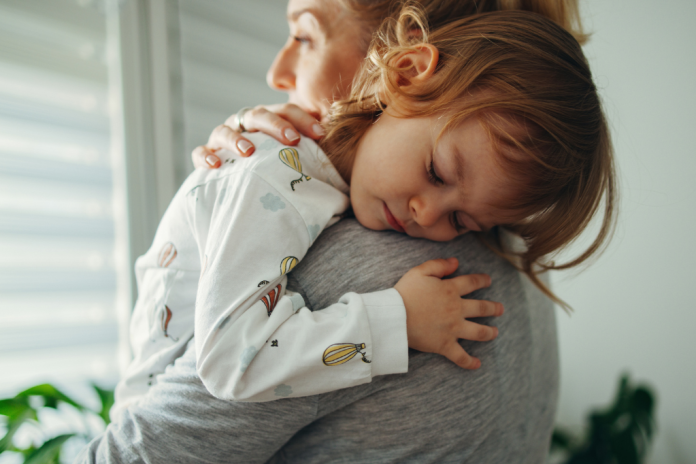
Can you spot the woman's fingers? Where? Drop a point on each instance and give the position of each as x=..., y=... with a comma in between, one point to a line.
x=203, y=157
x=284, y=122
x=224, y=136
x=304, y=122
x=260, y=119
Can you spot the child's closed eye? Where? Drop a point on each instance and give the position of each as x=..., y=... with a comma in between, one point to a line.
x=432, y=175
x=458, y=226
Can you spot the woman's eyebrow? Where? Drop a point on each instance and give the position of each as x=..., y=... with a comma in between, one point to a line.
x=316, y=14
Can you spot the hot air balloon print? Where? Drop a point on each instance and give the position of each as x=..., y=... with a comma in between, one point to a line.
x=271, y=300
x=165, y=317
x=340, y=353
x=166, y=255
x=291, y=158
x=287, y=264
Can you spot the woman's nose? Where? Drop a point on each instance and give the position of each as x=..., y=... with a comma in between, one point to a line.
x=281, y=74
x=424, y=212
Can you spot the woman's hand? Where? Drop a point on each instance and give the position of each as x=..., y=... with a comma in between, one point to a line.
x=436, y=315
x=284, y=122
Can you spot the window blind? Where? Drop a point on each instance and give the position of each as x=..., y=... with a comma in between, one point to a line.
x=58, y=204
x=226, y=49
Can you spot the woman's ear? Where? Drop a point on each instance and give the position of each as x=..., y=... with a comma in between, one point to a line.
x=421, y=62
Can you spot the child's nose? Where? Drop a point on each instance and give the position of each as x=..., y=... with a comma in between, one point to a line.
x=424, y=212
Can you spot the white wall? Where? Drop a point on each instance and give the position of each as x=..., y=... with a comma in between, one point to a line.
x=635, y=306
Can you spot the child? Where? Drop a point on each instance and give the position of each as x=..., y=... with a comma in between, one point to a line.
x=489, y=121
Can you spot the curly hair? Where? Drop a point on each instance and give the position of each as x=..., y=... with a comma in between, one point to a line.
x=526, y=80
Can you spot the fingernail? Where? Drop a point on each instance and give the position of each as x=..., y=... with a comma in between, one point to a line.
x=213, y=161
x=501, y=309
x=244, y=145
x=291, y=135
x=317, y=129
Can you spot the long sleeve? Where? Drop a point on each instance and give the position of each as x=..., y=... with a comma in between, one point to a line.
x=219, y=263
x=254, y=341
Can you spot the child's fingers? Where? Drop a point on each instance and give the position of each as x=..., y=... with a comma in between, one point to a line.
x=477, y=332
x=471, y=282
x=455, y=353
x=438, y=267
x=481, y=308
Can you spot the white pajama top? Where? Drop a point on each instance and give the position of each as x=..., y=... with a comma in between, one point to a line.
x=217, y=270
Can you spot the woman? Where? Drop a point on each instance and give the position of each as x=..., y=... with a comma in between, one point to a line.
x=434, y=413
x=306, y=68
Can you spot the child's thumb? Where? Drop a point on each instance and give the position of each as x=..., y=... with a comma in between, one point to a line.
x=439, y=267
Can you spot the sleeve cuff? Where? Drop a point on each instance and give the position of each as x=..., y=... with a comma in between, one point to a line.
x=387, y=315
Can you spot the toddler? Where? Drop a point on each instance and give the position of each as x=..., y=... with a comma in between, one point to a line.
x=491, y=121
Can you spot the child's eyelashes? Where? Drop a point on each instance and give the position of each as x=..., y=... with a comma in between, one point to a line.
x=432, y=175
x=460, y=228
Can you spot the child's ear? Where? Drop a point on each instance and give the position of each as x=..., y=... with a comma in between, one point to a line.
x=421, y=63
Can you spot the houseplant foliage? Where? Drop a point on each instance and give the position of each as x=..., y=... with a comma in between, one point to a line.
x=619, y=434
x=25, y=410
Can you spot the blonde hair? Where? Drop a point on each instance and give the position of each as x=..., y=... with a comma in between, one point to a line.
x=527, y=81
x=438, y=13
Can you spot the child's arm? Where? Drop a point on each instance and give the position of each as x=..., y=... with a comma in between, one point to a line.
x=253, y=345
x=437, y=316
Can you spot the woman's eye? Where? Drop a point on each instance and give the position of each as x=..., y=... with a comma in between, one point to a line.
x=301, y=39
x=433, y=177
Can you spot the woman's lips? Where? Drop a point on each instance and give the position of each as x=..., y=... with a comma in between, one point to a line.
x=396, y=225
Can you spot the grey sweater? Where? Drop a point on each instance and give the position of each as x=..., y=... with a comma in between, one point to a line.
x=437, y=412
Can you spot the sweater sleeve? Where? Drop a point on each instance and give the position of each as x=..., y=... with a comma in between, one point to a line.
x=254, y=340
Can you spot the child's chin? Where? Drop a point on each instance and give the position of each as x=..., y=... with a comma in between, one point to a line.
x=370, y=223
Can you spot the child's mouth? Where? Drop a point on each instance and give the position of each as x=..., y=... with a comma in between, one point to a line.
x=393, y=222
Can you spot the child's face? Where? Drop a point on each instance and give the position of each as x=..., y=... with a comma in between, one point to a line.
x=402, y=181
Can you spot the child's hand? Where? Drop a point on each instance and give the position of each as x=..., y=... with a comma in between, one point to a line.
x=436, y=314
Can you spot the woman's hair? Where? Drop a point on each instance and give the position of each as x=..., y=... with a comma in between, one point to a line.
x=371, y=13
x=528, y=83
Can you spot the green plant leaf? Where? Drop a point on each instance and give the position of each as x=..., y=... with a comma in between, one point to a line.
x=561, y=440
x=107, y=401
x=51, y=395
x=643, y=406
x=623, y=447
x=13, y=425
x=13, y=407
x=49, y=451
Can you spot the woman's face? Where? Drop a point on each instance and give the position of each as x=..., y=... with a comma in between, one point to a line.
x=317, y=63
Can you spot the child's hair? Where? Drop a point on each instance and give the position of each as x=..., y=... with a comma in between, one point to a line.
x=438, y=13
x=528, y=83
